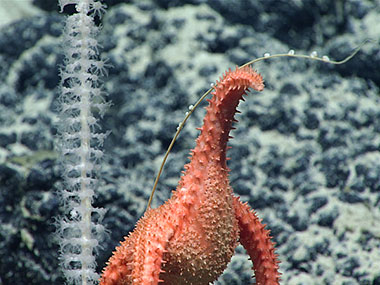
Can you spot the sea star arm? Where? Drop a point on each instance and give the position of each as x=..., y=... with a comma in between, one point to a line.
x=138, y=260
x=257, y=242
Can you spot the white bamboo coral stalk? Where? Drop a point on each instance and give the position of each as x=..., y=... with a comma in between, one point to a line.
x=80, y=142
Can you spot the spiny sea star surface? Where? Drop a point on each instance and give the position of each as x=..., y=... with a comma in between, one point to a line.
x=191, y=238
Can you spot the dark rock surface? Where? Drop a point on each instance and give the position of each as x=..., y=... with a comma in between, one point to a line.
x=305, y=153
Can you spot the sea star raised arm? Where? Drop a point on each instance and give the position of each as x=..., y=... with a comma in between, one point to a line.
x=191, y=238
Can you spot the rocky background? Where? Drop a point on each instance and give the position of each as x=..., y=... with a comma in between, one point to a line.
x=306, y=153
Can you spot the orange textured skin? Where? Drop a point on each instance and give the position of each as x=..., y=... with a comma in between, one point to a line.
x=191, y=238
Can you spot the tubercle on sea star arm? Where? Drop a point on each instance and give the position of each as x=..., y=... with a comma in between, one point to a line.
x=257, y=242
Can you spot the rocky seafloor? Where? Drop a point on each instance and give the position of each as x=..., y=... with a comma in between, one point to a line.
x=306, y=153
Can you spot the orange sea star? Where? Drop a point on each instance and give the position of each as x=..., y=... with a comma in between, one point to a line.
x=191, y=238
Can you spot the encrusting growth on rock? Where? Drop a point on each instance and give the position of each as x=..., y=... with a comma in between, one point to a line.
x=191, y=238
